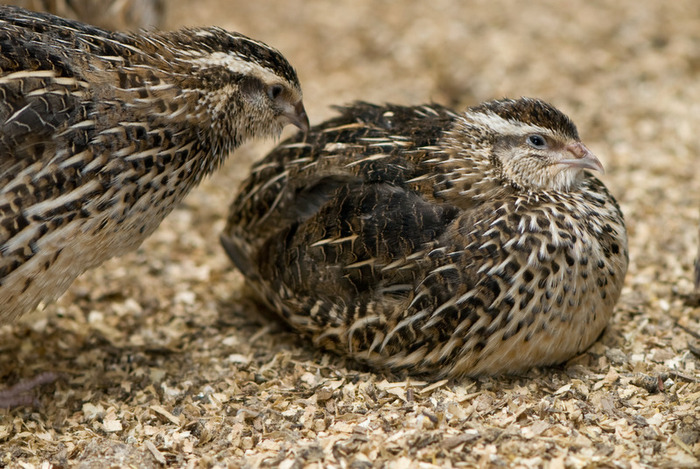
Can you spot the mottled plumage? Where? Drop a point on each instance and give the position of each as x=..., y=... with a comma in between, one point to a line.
x=102, y=133
x=444, y=244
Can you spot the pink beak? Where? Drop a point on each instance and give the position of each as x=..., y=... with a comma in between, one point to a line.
x=298, y=117
x=581, y=157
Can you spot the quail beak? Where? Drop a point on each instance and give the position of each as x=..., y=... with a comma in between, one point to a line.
x=297, y=116
x=581, y=157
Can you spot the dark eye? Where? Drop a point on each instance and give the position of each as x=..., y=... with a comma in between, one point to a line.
x=274, y=91
x=537, y=141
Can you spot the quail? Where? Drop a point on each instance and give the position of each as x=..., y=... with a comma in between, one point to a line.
x=103, y=133
x=424, y=241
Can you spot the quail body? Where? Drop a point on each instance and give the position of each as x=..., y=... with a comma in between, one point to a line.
x=102, y=133
x=421, y=240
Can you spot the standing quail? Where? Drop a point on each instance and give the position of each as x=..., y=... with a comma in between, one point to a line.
x=437, y=243
x=103, y=133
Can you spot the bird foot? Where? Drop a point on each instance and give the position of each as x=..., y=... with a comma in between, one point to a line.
x=19, y=395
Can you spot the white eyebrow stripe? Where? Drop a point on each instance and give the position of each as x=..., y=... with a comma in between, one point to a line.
x=506, y=127
x=236, y=64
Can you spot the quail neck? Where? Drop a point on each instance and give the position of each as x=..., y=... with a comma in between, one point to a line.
x=102, y=133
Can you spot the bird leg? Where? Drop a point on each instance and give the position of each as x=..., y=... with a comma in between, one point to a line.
x=18, y=395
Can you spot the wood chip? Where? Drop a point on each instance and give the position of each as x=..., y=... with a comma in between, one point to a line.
x=154, y=451
x=161, y=411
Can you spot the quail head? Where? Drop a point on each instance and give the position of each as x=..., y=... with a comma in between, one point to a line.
x=102, y=133
x=437, y=243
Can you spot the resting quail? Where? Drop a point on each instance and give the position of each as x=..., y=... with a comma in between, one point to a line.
x=437, y=243
x=102, y=133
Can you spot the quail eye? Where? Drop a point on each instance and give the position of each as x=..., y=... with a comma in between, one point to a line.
x=537, y=141
x=274, y=91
